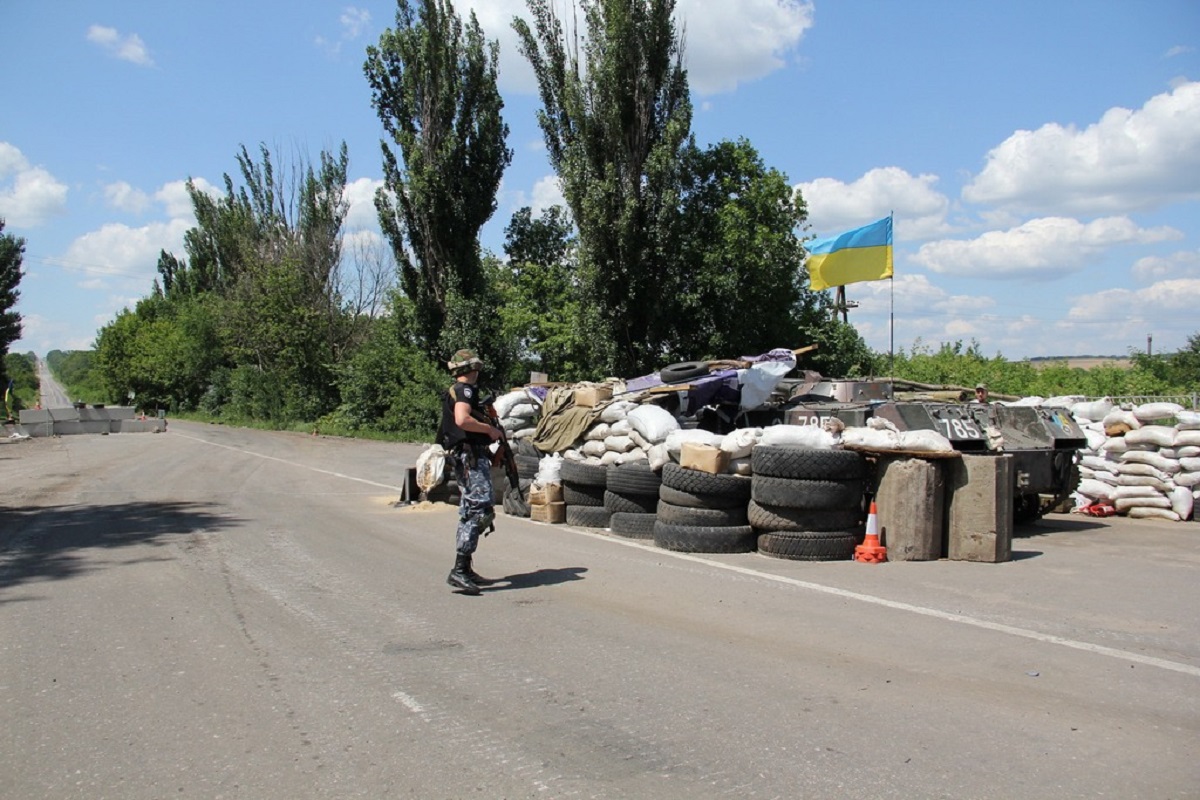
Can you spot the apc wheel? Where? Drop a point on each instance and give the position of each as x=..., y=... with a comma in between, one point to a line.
x=698, y=539
x=782, y=461
x=808, y=546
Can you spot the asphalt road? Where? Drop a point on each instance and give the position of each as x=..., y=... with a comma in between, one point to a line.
x=52, y=393
x=217, y=612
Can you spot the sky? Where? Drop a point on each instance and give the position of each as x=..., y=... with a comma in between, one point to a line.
x=1040, y=158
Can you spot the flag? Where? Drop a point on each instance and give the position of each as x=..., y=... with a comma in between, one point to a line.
x=8, y=393
x=863, y=254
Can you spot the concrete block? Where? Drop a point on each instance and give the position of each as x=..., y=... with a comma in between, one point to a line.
x=94, y=426
x=89, y=414
x=137, y=425
x=980, y=509
x=910, y=501
x=121, y=412
x=64, y=414
x=67, y=427
x=33, y=416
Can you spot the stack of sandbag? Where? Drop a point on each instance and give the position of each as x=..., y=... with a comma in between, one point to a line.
x=518, y=412
x=1144, y=459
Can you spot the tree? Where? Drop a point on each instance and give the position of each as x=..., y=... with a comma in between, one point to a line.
x=433, y=85
x=12, y=254
x=616, y=121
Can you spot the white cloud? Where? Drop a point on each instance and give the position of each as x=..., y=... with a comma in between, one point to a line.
x=121, y=252
x=129, y=48
x=547, y=192
x=33, y=196
x=123, y=197
x=360, y=193
x=1129, y=159
x=1043, y=248
x=725, y=44
x=920, y=210
x=1185, y=264
x=1180, y=294
x=178, y=203
x=1178, y=50
x=353, y=22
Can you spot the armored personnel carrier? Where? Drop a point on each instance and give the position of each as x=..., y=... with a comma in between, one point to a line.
x=1041, y=440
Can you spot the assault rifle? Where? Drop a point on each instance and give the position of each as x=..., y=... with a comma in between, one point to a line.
x=504, y=453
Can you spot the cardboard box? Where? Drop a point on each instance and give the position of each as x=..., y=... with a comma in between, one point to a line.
x=541, y=495
x=704, y=457
x=592, y=396
x=548, y=512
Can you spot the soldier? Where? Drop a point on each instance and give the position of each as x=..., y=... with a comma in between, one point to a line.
x=981, y=393
x=467, y=437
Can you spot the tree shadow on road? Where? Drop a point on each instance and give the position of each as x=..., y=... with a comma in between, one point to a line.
x=41, y=543
x=541, y=577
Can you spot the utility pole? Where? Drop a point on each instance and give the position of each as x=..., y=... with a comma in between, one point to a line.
x=1149, y=344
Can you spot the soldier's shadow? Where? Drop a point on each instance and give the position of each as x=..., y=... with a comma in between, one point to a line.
x=541, y=577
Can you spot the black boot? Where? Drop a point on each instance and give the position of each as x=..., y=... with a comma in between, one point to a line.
x=460, y=578
x=475, y=577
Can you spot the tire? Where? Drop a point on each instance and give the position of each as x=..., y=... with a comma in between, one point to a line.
x=702, y=517
x=683, y=371
x=809, y=494
x=576, y=495
x=782, y=461
x=632, y=526
x=633, y=479
x=767, y=519
x=588, y=516
x=524, y=447
x=808, y=546
x=630, y=503
x=516, y=503
x=703, y=483
x=584, y=474
x=527, y=466
x=698, y=539
x=678, y=497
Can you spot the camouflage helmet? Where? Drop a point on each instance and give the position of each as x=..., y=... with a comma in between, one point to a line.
x=464, y=361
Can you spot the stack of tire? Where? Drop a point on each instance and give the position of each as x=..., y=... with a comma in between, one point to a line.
x=516, y=502
x=807, y=504
x=631, y=497
x=703, y=513
x=584, y=486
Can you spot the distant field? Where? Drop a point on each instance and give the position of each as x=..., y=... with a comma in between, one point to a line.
x=1084, y=363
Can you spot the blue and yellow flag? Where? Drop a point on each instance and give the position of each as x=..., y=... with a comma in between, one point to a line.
x=863, y=254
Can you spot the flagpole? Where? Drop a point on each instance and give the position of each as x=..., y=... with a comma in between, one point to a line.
x=892, y=322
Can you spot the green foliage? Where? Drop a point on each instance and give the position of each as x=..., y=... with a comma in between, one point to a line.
x=433, y=85
x=12, y=254
x=75, y=370
x=21, y=369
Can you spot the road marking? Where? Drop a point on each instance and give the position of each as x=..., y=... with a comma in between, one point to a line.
x=963, y=619
x=289, y=463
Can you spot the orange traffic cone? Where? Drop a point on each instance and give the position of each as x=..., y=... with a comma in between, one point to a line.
x=870, y=551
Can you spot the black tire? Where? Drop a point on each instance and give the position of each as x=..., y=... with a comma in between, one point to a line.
x=703, y=483
x=584, y=474
x=588, y=516
x=527, y=466
x=810, y=494
x=702, y=517
x=808, y=545
x=697, y=539
x=782, y=461
x=516, y=503
x=632, y=526
x=783, y=518
x=576, y=495
x=630, y=503
x=636, y=478
x=524, y=447
x=678, y=497
x=683, y=371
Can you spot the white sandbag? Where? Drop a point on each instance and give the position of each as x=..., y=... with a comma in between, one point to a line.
x=639, y=440
x=676, y=439
x=1182, y=501
x=1067, y=401
x=1095, y=438
x=810, y=436
x=925, y=441
x=523, y=433
x=1025, y=401
x=1133, y=468
x=1095, y=410
x=593, y=448
x=868, y=438
x=658, y=457
x=632, y=457
x=1145, y=480
x=1189, y=464
x=1115, y=445
x=549, y=470
x=1126, y=492
x=620, y=444
x=1119, y=416
x=652, y=422
x=1123, y=504
x=1094, y=490
x=1187, y=420
x=1152, y=412
x=1153, y=513
x=431, y=467
x=572, y=455
x=505, y=403
x=740, y=443
x=1169, y=452
x=1191, y=451
x=513, y=424
x=616, y=411
x=1097, y=463
x=1187, y=438
x=597, y=432
x=620, y=428
x=522, y=410
x=610, y=458
x=1107, y=477
x=1188, y=479
x=740, y=466
x=1157, y=435
x=1166, y=465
